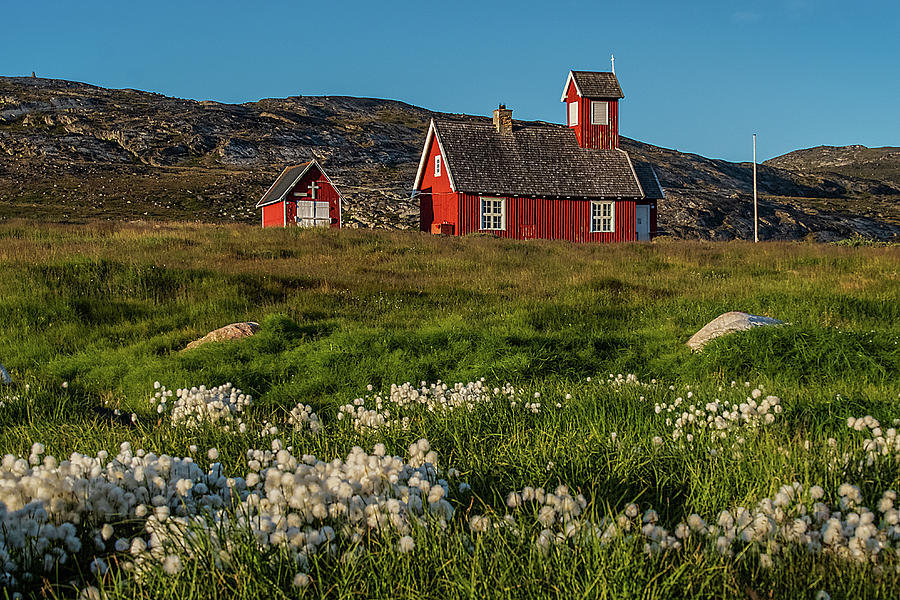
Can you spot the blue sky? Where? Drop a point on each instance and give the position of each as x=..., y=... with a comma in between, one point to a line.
x=698, y=76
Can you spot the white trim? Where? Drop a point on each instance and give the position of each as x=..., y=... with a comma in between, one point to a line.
x=336, y=191
x=290, y=187
x=611, y=217
x=258, y=205
x=569, y=106
x=571, y=78
x=284, y=213
x=633, y=173
x=481, y=200
x=437, y=165
x=296, y=180
x=432, y=132
x=658, y=184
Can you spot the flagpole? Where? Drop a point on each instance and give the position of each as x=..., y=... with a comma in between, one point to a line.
x=755, y=217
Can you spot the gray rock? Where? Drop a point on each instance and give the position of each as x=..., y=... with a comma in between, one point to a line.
x=728, y=323
x=4, y=375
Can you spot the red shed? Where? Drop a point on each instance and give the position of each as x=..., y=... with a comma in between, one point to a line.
x=304, y=196
x=539, y=180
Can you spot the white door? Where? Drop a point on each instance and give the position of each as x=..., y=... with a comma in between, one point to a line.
x=642, y=222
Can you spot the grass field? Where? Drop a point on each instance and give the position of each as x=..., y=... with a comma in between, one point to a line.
x=656, y=465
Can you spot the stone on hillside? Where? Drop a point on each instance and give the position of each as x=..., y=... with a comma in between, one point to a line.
x=235, y=331
x=728, y=323
x=4, y=375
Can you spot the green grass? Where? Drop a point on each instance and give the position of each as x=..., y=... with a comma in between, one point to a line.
x=107, y=309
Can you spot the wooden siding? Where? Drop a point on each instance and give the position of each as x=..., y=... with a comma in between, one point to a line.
x=273, y=215
x=593, y=136
x=437, y=202
x=284, y=213
x=551, y=219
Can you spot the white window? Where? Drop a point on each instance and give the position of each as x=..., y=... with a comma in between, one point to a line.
x=573, y=113
x=437, y=165
x=311, y=213
x=493, y=214
x=599, y=112
x=603, y=217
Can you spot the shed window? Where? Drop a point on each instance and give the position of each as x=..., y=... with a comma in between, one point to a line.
x=599, y=112
x=603, y=217
x=573, y=113
x=311, y=213
x=493, y=214
x=437, y=166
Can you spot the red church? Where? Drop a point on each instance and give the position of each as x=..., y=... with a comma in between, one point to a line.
x=527, y=180
x=304, y=196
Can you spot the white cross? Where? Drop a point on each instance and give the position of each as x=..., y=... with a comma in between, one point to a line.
x=312, y=189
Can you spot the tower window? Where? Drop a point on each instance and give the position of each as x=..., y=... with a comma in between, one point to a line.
x=573, y=114
x=599, y=112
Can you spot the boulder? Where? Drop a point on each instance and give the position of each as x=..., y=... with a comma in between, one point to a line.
x=235, y=331
x=728, y=323
x=4, y=375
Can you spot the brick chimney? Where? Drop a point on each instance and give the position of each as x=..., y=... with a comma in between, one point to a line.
x=503, y=120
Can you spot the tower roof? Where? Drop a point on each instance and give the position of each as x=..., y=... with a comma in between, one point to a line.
x=594, y=84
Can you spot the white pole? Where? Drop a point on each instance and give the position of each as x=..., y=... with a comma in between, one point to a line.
x=755, y=222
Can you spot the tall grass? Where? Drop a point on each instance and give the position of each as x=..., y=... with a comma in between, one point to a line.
x=108, y=309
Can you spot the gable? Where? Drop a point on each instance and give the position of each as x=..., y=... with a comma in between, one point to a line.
x=289, y=178
x=433, y=146
x=593, y=84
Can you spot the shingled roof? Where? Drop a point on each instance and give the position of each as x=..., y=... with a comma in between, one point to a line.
x=284, y=183
x=595, y=84
x=649, y=181
x=538, y=159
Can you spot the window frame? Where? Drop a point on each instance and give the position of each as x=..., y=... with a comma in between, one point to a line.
x=573, y=122
x=437, y=165
x=599, y=220
x=309, y=215
x=493, y=214
x=594, y=104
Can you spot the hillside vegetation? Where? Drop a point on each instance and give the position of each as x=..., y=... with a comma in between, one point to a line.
x=572, y=370
x=880, y=164
x=72, y=152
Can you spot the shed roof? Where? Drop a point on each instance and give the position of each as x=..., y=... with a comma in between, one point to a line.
x=537, y=159
x=646, y=174
x=594, y=84
x=288, y=178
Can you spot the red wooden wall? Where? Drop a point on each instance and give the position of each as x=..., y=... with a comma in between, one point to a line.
x=593, y=136
x=273, y=215
x=552, y=219
x=325, y=193
x=438, y=202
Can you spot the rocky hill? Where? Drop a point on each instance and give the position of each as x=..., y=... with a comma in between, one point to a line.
x=853, y=161
x=75, y=152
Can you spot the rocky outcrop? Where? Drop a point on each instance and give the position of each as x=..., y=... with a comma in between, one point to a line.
x=235, y=331
x=71, y=151
x=713, y=200
x=726, y=323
